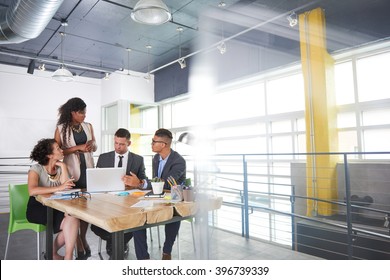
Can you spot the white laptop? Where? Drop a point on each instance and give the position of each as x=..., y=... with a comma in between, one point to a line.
x=105, y=179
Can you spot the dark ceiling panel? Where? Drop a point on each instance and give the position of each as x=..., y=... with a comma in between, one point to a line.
x=99, y=31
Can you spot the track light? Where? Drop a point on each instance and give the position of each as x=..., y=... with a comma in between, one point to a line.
x=106, y=77
x=42, y=67
x=148, y=78
x=182, y=63
x=221, y=4
x=181, y=60
x=222, y=47
x=292, y=19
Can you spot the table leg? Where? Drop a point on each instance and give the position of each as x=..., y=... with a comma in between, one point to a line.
x=202, y=221
x=117, y=245
x=49, y=234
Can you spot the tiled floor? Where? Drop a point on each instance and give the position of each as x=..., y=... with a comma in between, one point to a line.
x=222, y=246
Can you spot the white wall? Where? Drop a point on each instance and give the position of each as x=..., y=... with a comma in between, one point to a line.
x=29, y=104
x=29, y=107
x=133, y=88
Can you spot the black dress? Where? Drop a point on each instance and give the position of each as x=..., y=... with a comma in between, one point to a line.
x=80, y=138
x=36, y=212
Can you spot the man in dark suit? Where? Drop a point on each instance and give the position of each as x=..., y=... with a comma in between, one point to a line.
x=165, y=163
x=135, y=169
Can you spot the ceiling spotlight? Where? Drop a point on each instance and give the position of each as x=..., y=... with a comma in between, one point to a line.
x=152, y=12
x=182, y=63
x=292, y=19
x=42, y=67
x=107, y=76
x=181, y=60
x=128, y=61
x=221, y=4
x=62, y=74
x=148, y=77
x=222, y=47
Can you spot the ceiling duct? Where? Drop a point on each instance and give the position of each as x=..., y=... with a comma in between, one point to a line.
x=26, y=19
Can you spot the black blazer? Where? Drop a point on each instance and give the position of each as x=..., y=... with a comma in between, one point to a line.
x=175, y=167
x=135, y=163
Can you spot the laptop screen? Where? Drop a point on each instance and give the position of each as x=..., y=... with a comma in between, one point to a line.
x=105, y=179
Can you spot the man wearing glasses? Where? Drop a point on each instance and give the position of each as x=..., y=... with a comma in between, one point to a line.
x=135, y=170
x=166, y=163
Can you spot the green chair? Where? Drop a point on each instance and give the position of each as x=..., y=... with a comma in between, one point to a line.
x=18, y=197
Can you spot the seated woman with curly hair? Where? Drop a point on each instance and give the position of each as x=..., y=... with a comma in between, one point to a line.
x=50, y=175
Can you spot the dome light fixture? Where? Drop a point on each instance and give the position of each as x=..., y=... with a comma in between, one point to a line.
x=62, y=74
x=152, y=12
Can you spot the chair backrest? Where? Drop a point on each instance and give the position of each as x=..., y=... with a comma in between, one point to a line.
x=18, y=198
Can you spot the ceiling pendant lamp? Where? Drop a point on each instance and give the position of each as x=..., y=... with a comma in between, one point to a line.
x=152, y=12
x=62, y=74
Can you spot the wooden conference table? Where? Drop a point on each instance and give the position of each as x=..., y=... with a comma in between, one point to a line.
x=115, y=214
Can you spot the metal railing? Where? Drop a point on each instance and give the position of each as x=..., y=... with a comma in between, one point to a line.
x=271, y=197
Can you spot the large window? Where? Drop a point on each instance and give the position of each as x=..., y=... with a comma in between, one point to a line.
x=266, y=116
x=363, y=96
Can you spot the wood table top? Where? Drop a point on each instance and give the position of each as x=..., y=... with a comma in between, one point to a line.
x=114, y=213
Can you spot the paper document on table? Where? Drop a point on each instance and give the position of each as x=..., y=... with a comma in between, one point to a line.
x=143, y=204
x=61, y=196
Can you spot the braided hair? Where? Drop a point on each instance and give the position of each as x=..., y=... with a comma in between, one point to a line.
x=75, y=104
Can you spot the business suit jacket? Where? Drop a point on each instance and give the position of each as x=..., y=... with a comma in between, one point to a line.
x=135, y=163
x=175, y=167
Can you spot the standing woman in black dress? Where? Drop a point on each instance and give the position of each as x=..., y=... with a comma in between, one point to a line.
x=77, y=140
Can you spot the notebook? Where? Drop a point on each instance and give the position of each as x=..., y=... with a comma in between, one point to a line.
x=105, y=179
x=158, y=195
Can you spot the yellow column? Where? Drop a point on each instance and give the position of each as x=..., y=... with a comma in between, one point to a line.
x=135, y=122
x=320, y=115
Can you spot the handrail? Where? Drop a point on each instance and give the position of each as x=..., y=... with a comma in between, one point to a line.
x=246, y=176
x=235, y=204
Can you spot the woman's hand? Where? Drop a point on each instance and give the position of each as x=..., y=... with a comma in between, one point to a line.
x=90, y=146
x=61, y=164
x=68, y=184
x=87, y=147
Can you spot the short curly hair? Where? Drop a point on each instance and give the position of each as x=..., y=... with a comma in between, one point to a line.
x=42, y=149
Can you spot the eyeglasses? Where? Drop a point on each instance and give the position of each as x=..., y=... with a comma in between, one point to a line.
x=154, y=142
x=84, y=195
